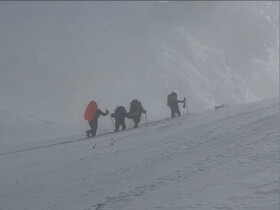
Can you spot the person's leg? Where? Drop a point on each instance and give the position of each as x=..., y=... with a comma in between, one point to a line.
x=117, y=125
x=123, y=124
x=136, y=124
x=179, y=113
x=136, y=121
x=94, y=128
x=172, y=113
x=88, y=132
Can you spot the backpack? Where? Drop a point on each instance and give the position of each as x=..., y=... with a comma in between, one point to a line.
x=120, y=111
x=135, y=106
x=170, y=98
x=90, y=110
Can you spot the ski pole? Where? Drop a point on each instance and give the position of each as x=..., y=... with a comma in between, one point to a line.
x=111, y=119
x=187, y=107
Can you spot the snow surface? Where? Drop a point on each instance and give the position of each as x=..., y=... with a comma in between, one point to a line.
x=216, y=159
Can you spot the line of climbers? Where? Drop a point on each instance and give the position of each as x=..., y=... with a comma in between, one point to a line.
x=136, y=109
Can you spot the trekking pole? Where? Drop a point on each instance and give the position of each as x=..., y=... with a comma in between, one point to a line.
x=187, y=107
x=184, y=106
x=111, y=119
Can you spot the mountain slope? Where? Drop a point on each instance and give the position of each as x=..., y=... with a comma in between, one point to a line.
x=56, y=57
x=218, y=159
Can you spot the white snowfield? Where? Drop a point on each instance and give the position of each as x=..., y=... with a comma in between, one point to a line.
x=218, y=159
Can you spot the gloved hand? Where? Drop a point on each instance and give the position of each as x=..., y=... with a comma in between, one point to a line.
x=144, y=111
x=107, y=111
x=185, y=99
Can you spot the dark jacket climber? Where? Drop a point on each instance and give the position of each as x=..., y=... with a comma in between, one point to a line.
x=172, y=102
x=119, y=116
x=93, y=122
x=136, y=109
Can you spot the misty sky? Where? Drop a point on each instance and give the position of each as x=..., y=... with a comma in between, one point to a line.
x=57, y=56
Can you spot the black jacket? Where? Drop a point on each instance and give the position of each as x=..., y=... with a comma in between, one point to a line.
x=97, y=114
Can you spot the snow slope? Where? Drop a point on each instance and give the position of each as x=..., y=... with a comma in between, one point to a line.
x=17, y=131
x=216, y=159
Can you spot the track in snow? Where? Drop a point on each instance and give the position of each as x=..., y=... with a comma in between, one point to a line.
x=76, y=139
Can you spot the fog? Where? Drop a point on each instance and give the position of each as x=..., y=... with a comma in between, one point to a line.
x=57, y=56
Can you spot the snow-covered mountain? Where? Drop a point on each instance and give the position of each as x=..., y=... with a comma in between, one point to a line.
x=216, y=159
x=57, y=56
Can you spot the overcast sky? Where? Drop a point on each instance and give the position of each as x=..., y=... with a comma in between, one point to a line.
x=57, y=56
